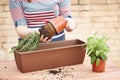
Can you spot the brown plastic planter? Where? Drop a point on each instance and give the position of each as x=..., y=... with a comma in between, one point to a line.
x=51, y=55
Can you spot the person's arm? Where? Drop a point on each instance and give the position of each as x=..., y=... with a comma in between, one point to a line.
x=22, y=30
x=65, y=11
x=19, y=19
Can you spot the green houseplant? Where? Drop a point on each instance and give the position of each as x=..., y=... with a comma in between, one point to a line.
x=97, y=50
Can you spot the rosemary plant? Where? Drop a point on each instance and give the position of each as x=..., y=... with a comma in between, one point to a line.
x=29, y=43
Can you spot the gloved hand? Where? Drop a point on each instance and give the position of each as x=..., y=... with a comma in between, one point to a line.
x=54, y=26
x=70, y=24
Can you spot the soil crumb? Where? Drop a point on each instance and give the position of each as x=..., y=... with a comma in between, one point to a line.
x=54, y=72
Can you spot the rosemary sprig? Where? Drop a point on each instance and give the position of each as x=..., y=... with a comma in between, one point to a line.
x=29, y=43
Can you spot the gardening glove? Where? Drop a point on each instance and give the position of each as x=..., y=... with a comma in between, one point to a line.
x=54, y=26
x=70, y=25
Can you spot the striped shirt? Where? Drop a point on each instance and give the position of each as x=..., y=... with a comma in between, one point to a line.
x=39, y=12
x=39, y=18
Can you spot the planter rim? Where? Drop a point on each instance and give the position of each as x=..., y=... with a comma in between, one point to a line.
x=55, y=48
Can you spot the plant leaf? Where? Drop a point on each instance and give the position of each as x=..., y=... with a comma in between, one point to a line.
x=102, y=56
x=97, y=61
x=97, y=53
x=93, y=59
x=105, y=56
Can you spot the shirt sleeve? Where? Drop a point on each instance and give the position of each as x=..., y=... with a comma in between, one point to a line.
x=65, y=8
x=17, y=13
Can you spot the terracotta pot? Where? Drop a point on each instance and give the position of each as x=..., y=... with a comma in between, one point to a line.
x=59, y=23
x=54, y=26
x=48, y=30
x=100, y=67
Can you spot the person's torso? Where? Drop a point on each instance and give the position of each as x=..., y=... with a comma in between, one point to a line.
x=38, y=12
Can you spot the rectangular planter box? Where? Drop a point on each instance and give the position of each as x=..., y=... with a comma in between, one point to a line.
x=51, y=55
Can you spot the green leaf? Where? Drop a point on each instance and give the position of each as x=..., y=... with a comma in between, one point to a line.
x=97, y=53
x=89, y=52
x=97, y=61
x=88, y=39
x=105, y=56
x=93, y=59
x=29, y=43
x=102, y=56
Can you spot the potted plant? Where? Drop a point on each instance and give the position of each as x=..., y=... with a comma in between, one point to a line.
x=97, y=50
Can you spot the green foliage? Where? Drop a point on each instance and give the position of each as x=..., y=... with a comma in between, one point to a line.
x=97, y=48
x=29, y=43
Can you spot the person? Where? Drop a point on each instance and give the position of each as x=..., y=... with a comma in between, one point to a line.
x=29, y=15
